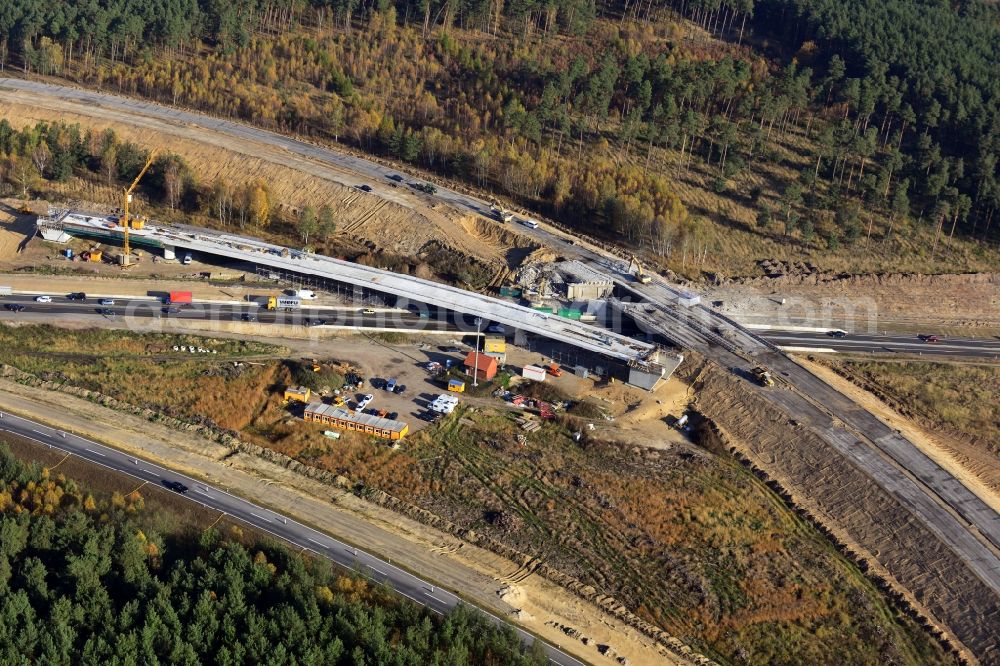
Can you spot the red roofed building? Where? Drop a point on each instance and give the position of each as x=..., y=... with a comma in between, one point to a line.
x=485, y=366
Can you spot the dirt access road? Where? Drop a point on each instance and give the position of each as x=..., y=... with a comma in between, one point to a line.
x=393, y=217
x=488, y=580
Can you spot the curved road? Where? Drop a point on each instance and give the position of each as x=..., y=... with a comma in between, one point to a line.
x=416, y=589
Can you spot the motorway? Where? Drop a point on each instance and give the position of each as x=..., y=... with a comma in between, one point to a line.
x=316, y=316
x=416, y=589
x=893, y=344
x=439, y=321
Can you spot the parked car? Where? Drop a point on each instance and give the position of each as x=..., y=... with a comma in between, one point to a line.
x=400, y=389
x=365, y=401
x=106, y=301
x=390, y=385
x=43, y=299
x=14, y=307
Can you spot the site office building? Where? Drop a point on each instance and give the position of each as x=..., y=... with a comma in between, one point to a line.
x=485, y=367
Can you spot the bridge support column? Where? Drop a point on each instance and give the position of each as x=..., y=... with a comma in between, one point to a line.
x=169, y=252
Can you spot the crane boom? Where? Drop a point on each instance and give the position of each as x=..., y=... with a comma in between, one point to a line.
x=125, y=222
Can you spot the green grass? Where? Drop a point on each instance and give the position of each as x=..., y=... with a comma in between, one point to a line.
x=699, y=546
x=964, y=398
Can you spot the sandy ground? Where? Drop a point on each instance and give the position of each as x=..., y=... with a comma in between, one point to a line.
x=478, y=574
x=395, y=219
x=15, y=228
x=967, y=305
x=975, y=469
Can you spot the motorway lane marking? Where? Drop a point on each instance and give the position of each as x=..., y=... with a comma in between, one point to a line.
x=318, y=543
x=40, y=432
x=255, y=515
x=103, y=455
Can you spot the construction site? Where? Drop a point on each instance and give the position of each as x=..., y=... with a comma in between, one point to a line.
x=506, y=427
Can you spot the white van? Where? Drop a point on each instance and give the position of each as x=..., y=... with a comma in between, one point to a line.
x=531, y=224
x=306, y=294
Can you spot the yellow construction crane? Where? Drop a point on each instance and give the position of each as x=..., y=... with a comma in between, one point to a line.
x=124, y=221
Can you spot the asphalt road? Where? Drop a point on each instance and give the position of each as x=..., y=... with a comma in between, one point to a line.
x=416, y=589
x=984, y=348
x=150, y=308
x=909, y=345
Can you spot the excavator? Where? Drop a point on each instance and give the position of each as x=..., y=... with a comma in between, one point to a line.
x=125, y=221
x=640, y=276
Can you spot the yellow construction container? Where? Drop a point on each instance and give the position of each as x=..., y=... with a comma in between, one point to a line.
x=495, y=345
x=456, y=385
x=297, y=394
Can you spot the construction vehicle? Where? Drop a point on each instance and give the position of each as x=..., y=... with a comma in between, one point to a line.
x=761, y=374
x=554, y=369
x=500, y=213
x=640, y=276
x=125, y=221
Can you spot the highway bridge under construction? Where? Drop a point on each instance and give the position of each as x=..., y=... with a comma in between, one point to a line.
x=646, y=363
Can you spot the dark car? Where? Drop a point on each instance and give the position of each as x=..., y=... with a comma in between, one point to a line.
x=365, y=188
x=176, y=486
x=170, y=311
x=399, y=389
x=930, y=338
x=837, y=334
x=14, y=307
x=107, y=312
x=396, y=177
x=246, y=316
x=450, y=350
x=77, y=296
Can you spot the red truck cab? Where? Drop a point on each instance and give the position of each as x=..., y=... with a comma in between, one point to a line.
x=179, y=298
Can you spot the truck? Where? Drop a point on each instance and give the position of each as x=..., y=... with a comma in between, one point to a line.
x=179, y=298
x=761, y=374
x=284, y=303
